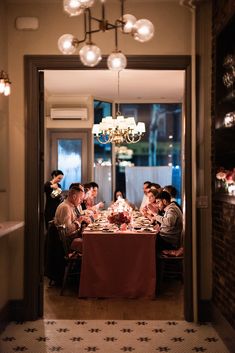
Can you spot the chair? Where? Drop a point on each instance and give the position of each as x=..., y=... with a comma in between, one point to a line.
x=72, y=257
x=170, y=264
x=54, y=256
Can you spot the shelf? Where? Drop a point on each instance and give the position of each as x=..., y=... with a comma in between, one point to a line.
x=219, y=196
x=229, y=98
x=225, y=129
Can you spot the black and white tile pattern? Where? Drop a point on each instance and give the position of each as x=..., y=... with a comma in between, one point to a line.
x=110, y=336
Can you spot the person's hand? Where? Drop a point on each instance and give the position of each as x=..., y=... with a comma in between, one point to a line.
x=85, y=219
x=100, y=205
x=157, y=228
x=153, y=207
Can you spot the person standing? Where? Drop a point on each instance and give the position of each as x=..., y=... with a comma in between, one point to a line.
x=53, y=191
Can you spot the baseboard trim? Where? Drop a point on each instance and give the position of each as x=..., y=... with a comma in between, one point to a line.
x=4, y=316
x=224, y=329
x=17, y=312
x=204, y=311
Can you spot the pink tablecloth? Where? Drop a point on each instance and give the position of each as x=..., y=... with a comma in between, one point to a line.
x=118, y=265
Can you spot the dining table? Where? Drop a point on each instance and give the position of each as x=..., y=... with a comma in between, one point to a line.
x=118, y=264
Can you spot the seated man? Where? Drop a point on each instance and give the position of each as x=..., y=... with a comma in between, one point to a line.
x=67, y=214
x=173, y=192
x=171, y=223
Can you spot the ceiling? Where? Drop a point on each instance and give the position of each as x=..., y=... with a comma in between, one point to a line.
x=134, y=85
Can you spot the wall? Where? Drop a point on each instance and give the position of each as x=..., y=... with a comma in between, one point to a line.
x=3, y=119
x=203, y=50
x=223, y=211
x=172, y=37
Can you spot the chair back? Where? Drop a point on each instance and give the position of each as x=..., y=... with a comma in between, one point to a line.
x=66, y=242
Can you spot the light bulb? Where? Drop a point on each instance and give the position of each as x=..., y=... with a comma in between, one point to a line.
x=7, y=89
x=2, y=85
x=66, y=44
x=86, y=3
x=116, y=61
x=90, y=55
x=73, y=7
x=130, y=21
x=143, y=30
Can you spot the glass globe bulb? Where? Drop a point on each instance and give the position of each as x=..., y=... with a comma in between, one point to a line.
x=130, y=21
x=86, y=3
x=116, y=61
x=73, y=7
x=66, y=44
x=90, y=55
x=143, y=30
x=7, y=89
x=2, y=85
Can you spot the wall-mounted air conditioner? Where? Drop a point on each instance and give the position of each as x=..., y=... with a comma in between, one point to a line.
x=69, y=113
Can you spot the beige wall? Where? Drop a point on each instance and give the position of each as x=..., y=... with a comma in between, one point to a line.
x=173, y=39
x=173, y=36
x=204, y=147
x=3, y=119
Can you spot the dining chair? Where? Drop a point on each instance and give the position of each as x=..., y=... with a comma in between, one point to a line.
x=170, y=264
x=72, y=258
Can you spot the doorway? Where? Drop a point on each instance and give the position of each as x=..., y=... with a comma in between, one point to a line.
x=33, y=293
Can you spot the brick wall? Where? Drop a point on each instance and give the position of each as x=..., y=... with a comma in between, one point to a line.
x=223, y=211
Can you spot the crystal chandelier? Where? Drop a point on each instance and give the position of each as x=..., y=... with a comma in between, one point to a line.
x=120, y=129
x=5, y=84
x=90, y=55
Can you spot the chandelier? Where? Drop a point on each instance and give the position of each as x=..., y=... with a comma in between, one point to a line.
x=120, y=129
x=90, y=55
x=5, y=84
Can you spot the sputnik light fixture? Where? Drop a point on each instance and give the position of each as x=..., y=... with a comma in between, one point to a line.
x=142, y=30
x=5, y=84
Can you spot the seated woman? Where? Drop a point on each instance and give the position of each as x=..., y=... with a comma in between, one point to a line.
x=119, y=195
x=91, y=194
x=151, y=209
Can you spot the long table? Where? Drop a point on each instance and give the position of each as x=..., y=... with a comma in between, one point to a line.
x=118, y=265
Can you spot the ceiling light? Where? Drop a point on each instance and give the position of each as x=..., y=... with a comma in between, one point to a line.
x=120, y=129
x=142, y=30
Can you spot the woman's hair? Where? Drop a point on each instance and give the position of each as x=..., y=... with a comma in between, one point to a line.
x=115, y=193
x=56, y=172
x=154, y=191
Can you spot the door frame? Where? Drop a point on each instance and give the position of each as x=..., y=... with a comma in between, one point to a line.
x=34, y=166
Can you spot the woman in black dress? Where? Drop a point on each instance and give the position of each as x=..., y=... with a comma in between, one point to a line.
x=53, y=191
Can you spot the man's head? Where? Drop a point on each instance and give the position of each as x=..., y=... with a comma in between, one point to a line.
x=94, y=189
x=163, y=199
x=146, y=187
x=171, y=189
x=76, y=194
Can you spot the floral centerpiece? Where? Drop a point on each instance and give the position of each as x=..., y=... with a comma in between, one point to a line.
x=119, y=218
x=226, y=180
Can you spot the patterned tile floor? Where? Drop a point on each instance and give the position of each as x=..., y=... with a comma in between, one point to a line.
x=103, y=336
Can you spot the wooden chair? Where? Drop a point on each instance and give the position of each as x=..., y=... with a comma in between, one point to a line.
x=72, y=258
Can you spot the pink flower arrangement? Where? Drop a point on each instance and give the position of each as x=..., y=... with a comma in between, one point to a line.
x=119, y=218
x=226, y=176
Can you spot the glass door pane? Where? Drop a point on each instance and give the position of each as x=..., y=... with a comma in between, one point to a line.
x=69, y=161
x=158, y=153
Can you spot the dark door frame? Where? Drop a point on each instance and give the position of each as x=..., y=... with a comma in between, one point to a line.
x=34, y=160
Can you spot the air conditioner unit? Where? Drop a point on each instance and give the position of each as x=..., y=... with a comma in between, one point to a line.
x=69, y=113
